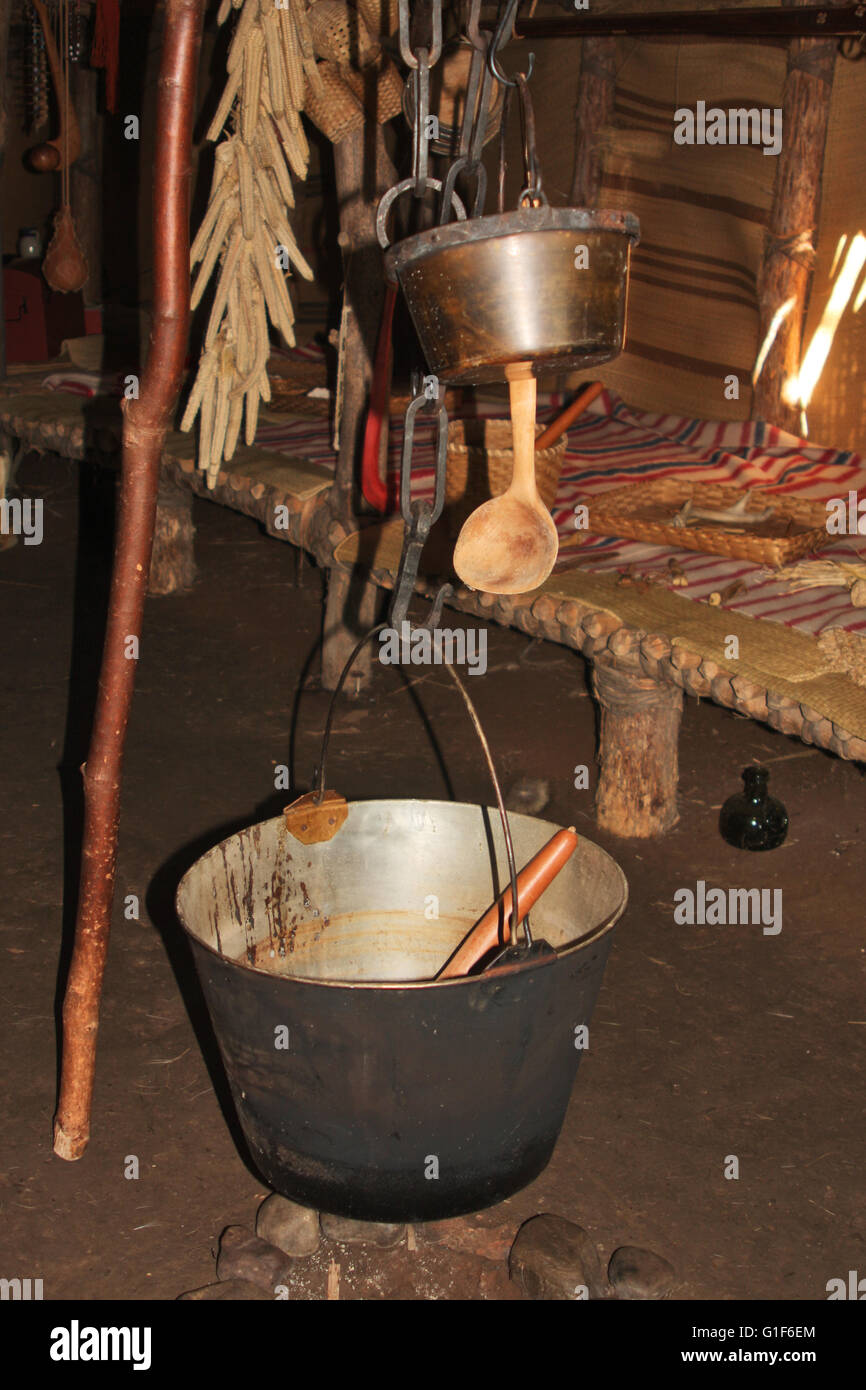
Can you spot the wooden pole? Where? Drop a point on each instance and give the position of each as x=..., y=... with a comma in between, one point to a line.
x=720, y=22
x=363, y=170
x=86, y=190
x=145, y=422
x=594, y=113
x=172, y=561
x=785, y=274
x=5, y=12
x=640, y=723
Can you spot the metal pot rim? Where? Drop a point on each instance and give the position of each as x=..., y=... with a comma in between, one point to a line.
x=607, y=923
x=406, y=253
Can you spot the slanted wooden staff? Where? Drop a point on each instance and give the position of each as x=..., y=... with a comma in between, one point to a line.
x=145, y=423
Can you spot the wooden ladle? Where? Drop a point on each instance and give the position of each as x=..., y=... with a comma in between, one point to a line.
x=64, y=149
x=509, y=544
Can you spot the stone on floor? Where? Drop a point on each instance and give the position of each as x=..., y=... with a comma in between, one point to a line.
x=552, y=1258
x=289, y=1226
x=346, y=1231
x=244, y=1256
x=636, y=1273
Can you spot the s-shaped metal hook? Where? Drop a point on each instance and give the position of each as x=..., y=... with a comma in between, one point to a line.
x=501, y=36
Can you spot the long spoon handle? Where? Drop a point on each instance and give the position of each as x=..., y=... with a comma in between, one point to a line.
x=523, y=396
x=532, y=881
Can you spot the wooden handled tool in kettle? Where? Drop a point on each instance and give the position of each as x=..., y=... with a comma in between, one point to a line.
x=492, y=928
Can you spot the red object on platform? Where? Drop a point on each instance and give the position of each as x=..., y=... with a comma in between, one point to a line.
x=37, y=318
x=373, y=485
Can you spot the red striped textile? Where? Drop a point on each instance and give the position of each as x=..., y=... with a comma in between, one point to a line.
x=614, y=444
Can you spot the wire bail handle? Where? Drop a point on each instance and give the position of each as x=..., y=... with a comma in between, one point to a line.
x=488, y=756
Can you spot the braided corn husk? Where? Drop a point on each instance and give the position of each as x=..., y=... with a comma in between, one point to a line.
x=245, y=234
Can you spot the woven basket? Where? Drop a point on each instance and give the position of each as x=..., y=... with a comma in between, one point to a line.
x=348, y=97
x=480, y=464
x=336, y=111
x=340, y=35
x=378, y=89
x=642, y=512
x=380, y=16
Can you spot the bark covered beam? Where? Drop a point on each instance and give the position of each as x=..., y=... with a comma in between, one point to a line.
x=145, y=424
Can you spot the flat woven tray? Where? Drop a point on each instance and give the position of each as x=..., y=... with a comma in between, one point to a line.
x=644, y=511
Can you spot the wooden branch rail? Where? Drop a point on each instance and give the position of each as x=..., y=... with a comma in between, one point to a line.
x=145, y=425
x=603, y=639
x=809, y=21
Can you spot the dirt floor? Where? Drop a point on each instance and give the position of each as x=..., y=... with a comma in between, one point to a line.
x=707, y=1042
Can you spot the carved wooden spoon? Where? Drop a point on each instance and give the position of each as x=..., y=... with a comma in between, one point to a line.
x=509, y=544
x=59, y=153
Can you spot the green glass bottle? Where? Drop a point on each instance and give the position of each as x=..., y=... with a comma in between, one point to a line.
x=752, y=819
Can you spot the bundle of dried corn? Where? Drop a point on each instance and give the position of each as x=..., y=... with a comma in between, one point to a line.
x=825, y=574
x=246, y=230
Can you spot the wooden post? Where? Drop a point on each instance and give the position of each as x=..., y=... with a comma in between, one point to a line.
x=172, y=563
x=594, y=113
x=86, y=191
x=5, y=12
x=786, y=271
x=363, y=171
x=146, y=420
x=640, y=723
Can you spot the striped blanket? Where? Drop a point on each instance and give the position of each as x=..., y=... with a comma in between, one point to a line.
x=614, y=444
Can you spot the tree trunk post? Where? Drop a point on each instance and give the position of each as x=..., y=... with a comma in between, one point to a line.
x=85, y=180
x=145, y=422
x=363, y=171
x=594, y=112
x=5, y=13
x=172, y=562
x=638, y=752
x=785, y=273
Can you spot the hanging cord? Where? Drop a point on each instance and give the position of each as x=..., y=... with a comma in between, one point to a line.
x=473, y=714
x=64, y=21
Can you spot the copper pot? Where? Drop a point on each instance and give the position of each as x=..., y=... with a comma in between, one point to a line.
x=518, y=287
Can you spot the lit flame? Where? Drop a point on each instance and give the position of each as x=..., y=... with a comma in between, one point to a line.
x=798, y=389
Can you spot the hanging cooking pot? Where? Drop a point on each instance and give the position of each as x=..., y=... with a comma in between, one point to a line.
x=541, y=285
x=364, y=1086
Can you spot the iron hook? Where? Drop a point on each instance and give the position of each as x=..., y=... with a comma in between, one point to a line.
x=503, y=33
x=478, y=39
